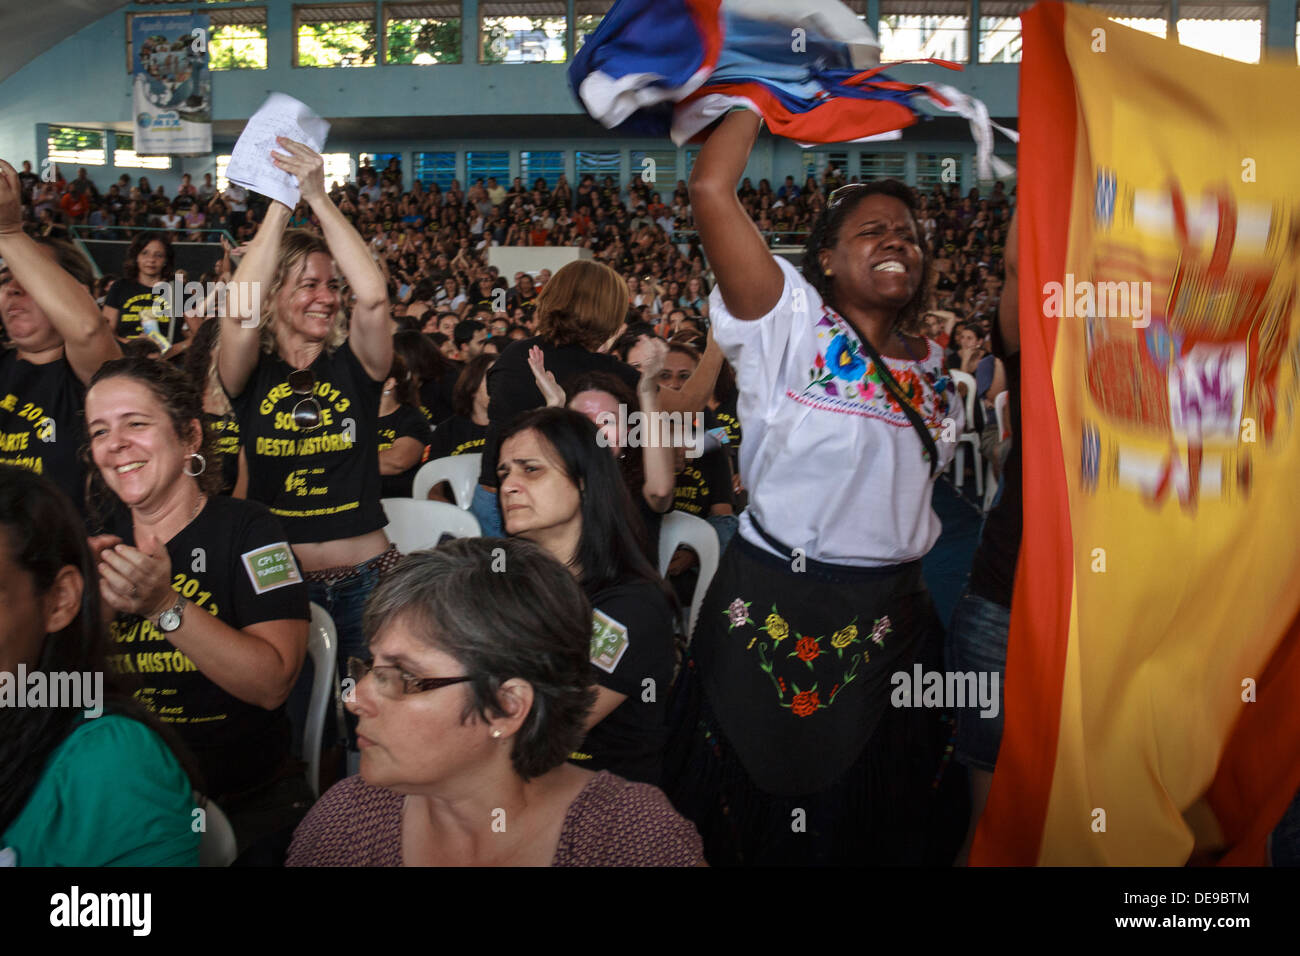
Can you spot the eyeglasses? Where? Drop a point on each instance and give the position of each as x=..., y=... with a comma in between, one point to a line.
x=392, y=684
x=307, y=413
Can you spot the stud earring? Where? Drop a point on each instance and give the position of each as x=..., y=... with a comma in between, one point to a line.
x=496, y=733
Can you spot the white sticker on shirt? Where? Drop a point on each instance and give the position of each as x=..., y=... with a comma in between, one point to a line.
x=608, y=641
x=271, y=566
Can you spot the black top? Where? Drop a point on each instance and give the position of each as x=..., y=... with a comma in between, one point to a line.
x=632, y=654
x=457, y=436
x=994, y=570
x=436, y=395
x=42, y=422
x=224, y=430
x=322, y=484
x=705, y=482
x=231, y=561
x=130, y=299
x=512, y=388
x=404, y=422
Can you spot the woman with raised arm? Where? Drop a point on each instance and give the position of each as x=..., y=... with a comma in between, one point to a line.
x=57, y=341
x=306, y=388
x=785, y=746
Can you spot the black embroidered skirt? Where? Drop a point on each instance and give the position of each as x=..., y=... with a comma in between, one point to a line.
x=785, y=747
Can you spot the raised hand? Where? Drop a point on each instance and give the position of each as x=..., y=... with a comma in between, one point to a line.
x=11, y=209
x=546, y=382
x=304, y=163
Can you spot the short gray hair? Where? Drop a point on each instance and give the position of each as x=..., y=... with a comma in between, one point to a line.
x=503, y=608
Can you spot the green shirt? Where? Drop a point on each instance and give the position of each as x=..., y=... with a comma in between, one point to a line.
x=112, y=795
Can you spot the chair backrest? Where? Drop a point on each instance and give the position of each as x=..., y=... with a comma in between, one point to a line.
x=679, y=529
x=460, y=470
x=965, y=378
x=217, y=845
x=415, y=525
x=323, y=648
x=1001, y=408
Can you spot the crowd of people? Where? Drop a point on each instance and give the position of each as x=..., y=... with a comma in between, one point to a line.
x=198, y=488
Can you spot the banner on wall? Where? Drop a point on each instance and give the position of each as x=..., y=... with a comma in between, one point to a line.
x=172, y=86
x=1154, y=650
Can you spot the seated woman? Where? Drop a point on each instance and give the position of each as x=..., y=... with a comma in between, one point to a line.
x=77, y=787
x=578, y=311
x=404, y=434
x=477, y=692
x=561, y=490
x=210, y=602
x=465, y=432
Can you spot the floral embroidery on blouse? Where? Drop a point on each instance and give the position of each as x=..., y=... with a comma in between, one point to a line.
x=800, y=669
x=844, y=379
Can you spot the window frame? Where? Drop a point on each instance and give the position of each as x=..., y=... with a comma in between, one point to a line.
x=98, y=131
x=563, y=15
x=385, y=15
x=297, y=27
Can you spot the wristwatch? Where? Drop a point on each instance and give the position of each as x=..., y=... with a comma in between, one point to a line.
x=170, y=619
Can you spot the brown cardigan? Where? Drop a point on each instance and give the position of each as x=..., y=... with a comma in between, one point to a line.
x=612, y=822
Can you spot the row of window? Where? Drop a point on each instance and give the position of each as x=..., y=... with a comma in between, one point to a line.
x=657, y=167
x=88, y=147
x=537, y=31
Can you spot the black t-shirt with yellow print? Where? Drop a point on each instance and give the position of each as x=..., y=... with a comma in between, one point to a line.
x=224, y=431
x=404, y=422
x=233, y=562
x=322, y=484
x=135, y=302
x=703, y=483
x=42, y=426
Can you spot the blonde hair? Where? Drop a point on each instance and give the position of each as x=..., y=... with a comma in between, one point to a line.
x=295, y=247
x=584, y=303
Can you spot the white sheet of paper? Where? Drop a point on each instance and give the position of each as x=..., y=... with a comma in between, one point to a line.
x=250, y=162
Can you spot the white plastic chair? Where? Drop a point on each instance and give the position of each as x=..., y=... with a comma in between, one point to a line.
x=414, y=525
x=323, y=648
x=679, y=529
x=969, y=436
x=991, y=484
x=217, y=845
x=460, y=470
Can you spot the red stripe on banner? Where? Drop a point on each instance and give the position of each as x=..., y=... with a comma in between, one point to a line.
x=1011, y=829
x=837, y=120
x=1259, y=772
x=707, y=15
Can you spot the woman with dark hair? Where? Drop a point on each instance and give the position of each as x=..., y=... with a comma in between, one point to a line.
x=465, y=432
x=561, y=490
x=433, y=374
x=209, y=600
x=475, y=696
x=56, y=340
x=131, y=303
x=579, y=312
x=199, y=362
x=91, y=782
x=785, y=702
x=404, y=433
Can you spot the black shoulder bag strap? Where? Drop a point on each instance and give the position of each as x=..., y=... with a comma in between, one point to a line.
x=913, y=416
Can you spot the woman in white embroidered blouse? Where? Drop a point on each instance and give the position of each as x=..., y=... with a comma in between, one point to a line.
x=784, y=701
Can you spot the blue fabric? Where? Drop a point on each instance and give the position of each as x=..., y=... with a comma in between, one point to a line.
x=642, y=36
x=977, y=641
x=487, y=509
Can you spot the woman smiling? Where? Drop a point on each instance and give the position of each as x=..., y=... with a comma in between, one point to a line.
x=307, y=394
x=209, y=601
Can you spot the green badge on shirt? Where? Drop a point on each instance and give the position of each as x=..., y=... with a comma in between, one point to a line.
x=608, y=641
x=271, y=567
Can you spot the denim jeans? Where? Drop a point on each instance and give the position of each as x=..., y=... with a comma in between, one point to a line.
x=977, y=641
x=487, y=509
x=344, y=602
